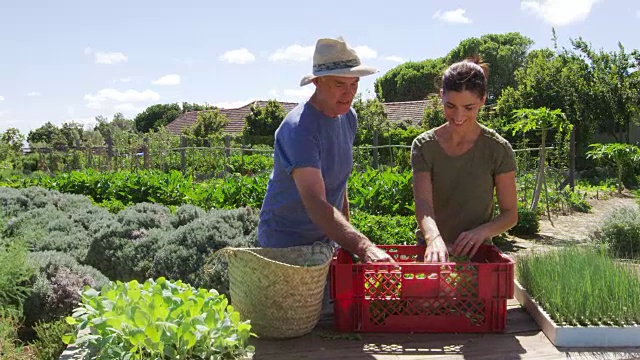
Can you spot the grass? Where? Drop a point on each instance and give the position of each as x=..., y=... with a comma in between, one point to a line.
x=582, y=286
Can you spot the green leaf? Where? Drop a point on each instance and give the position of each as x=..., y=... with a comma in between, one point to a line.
x=152, y=333
x=190, y=338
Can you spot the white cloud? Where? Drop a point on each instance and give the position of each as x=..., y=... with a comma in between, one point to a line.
x=171, y=79
x=109, y=58
x=394, y=58
x=456, y=16
x=559, y=12
x=238, y=56
x=34, y=93
x=293, y=53
x=111, y=98
x=292, y=95
x=1, y=98
x=232, y=104
x=365, y=52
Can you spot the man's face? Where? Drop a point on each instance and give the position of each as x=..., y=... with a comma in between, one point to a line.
x=337, y=93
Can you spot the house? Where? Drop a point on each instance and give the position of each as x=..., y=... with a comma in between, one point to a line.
x=412, y=111
x=396, y=111
x=236, y=117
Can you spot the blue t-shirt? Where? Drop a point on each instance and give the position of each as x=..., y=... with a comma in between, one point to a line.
x=306, y=138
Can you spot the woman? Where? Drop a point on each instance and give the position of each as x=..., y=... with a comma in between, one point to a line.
x=456, y=168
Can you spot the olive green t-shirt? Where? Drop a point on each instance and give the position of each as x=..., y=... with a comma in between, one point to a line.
x=463, y=186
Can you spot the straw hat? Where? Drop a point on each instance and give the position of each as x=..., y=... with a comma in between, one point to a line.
x=335, y=57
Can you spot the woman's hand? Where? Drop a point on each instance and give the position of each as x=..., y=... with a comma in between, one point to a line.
x=468, y=242
x=436, y=251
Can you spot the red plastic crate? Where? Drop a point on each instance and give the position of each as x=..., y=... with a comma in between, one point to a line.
x=413, y=296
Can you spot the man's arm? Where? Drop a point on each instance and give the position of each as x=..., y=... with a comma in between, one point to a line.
x=312, y=192
x=345, y=206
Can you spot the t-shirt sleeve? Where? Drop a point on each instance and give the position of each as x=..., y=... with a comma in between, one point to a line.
x=506, y=159
x=420, y=162
x=297, y=148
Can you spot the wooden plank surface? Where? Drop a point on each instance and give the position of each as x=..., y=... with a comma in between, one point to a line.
x=522, y=339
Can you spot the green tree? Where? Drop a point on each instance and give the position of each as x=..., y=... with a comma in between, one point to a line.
x=433, y=113
x=414, y=80
x=118, y=124
x=73, y=133
x=47, y=134
x=371, y=117
x=555, y=81
x=156, y=116
x=616, y=94
x=187, y=107
x=264, y=121
x=13, y=138
x=208, y=122
x=543, y=120
x=504, y=53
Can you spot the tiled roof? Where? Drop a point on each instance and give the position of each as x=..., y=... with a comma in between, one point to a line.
x=406, y=110
x=396, y=111
x=236, y=117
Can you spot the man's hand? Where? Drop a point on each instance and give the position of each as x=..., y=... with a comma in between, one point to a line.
x=374, y=254
x=436, y=251
x=468, y=242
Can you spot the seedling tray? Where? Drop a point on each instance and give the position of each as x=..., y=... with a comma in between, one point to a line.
x=413, y=296
x=578, y=336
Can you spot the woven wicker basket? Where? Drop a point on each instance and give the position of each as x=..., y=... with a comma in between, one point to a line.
x=279, y=290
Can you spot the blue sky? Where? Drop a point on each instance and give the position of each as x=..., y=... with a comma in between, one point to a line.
x=74, y=60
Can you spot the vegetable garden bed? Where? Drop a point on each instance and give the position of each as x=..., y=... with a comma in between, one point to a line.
x=581, y=297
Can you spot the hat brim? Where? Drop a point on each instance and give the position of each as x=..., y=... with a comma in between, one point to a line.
x=358, y=71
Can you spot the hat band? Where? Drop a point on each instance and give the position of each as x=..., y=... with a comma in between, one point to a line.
x=336, y=65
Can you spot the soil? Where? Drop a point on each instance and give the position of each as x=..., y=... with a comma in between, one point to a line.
x=576, y=227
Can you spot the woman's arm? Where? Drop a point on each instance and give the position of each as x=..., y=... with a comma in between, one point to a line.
x=469, y=241
x=422, y=192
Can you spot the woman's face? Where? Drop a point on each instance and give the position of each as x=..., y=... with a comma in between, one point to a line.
x=461, y=107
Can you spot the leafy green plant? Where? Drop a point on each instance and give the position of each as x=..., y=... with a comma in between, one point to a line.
x=618, y=154
x=581, y=286
x=385, y=229
x=159, y=319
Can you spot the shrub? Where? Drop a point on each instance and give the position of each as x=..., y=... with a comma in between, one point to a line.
x=15, y=273
x=183, y=253
x=12, y=202
x=186, y=214
x=57, y=285
x=48, y=228
x=49, y=344
x=528, y=222
x=620, y=232
x=120, y=242
x=9, y=343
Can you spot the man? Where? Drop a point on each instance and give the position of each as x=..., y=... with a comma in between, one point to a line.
x=306, y=199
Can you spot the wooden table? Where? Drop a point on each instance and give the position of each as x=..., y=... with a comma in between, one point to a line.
x=521, y=340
